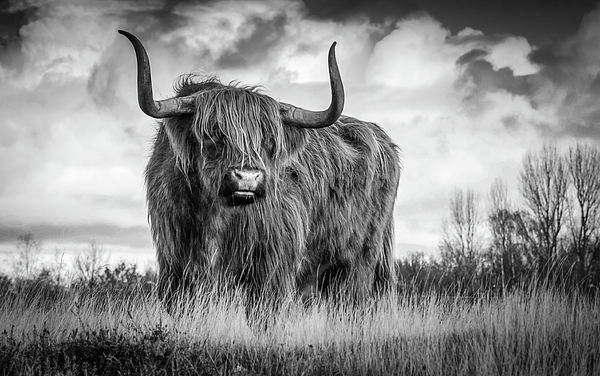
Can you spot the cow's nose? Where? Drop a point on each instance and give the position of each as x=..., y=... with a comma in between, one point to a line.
x=249, y=176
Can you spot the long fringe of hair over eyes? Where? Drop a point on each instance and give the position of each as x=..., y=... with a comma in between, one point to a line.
x=245, y=118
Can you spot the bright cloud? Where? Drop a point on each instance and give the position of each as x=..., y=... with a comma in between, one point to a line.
x=414, y=55
x=512, y=53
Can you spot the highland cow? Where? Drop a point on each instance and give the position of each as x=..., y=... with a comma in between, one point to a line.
x=265, y=196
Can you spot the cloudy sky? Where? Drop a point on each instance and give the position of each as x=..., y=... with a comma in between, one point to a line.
x=465, y=88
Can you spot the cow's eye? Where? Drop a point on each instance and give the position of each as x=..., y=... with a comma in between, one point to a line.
x=211, y=143
x=207, y=144
x=212, y=148
x=269, y=145
x=293, y=174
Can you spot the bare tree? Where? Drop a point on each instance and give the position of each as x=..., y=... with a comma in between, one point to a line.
x=584, y=217
x=507, y=230
x=498, y=196
x=26, y=259
x=462, y=238
x=90, y=262
x=543, y=184
x=58, y=266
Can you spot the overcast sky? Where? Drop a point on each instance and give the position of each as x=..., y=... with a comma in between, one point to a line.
x=465, y=88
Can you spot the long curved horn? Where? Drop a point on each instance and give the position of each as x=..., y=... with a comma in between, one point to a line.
x=156, y=109
x=302, y=118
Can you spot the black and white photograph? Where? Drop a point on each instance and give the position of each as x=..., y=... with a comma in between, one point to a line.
x=299, y=187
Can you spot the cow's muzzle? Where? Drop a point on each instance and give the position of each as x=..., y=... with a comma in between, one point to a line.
x=242, y=186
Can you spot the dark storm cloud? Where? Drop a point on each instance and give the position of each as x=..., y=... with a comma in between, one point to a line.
x=485, y=78
x=536, y=20
x=473, y=55
x=570, y=71
x=555, y=62
x=12, y=19
x=253, y=48
x=170, y=4
x=11, y=22
x=376, y=10
x=548, y=54
x=566, y=83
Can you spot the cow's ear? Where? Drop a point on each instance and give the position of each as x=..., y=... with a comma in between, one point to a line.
x=181, y=139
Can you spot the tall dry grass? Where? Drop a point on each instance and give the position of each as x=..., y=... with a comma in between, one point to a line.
x=528, y=332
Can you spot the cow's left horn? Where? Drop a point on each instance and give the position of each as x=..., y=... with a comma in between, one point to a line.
x=156, y=109
x=302, y=118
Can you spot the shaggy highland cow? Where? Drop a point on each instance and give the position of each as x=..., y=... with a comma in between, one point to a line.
x=266, y=196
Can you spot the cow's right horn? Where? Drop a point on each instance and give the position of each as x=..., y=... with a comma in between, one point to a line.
x=302, y=118
x=156, y=109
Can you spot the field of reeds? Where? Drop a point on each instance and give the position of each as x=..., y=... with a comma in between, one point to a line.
x=536, y=331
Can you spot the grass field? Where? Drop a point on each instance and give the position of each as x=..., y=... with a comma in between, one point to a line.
x=535, y=332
